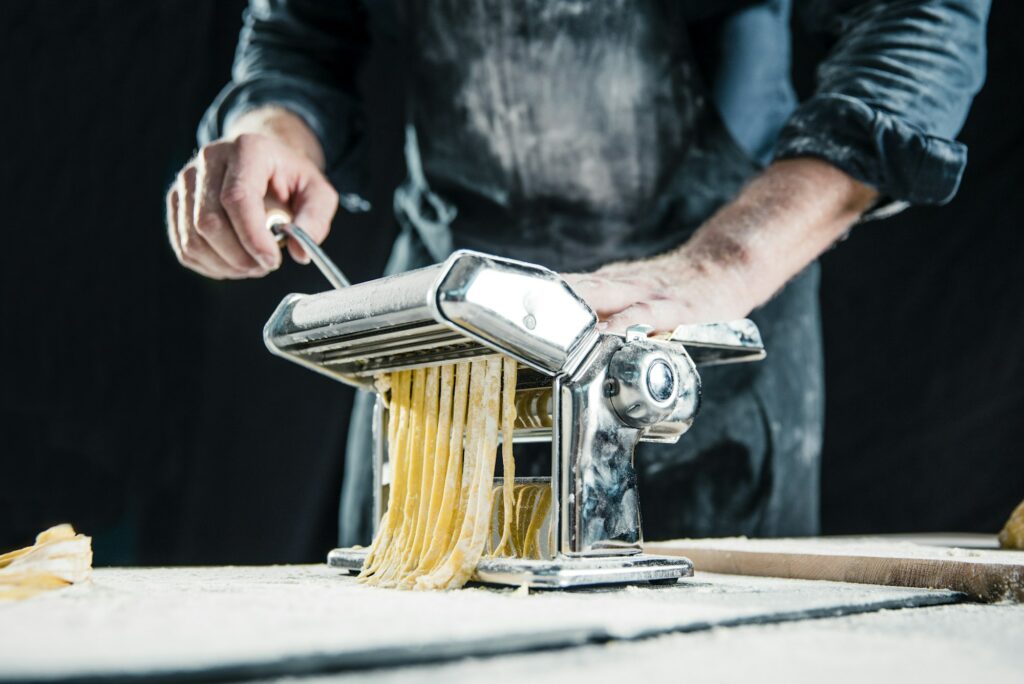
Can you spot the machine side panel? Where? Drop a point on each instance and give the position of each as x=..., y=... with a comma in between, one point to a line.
x=601, y=505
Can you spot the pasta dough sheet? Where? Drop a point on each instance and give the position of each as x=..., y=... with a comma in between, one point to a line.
x=444, y=511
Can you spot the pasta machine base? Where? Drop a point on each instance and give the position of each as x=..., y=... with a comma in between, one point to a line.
x=560, y=573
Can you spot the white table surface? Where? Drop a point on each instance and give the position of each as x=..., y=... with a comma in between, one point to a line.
x=240, y=622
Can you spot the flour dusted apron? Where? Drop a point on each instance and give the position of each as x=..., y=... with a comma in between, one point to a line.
x=575, y=134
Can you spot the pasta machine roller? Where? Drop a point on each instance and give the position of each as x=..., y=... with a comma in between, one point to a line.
x=592, y=394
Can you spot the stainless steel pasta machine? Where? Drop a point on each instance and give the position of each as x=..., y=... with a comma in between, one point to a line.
x=593, y=395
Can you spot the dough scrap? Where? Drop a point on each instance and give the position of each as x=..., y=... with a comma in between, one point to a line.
x=1012, y=534
x=58, y=558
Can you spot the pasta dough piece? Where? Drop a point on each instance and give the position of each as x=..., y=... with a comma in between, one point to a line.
x=1012, y=534
x=58, y=558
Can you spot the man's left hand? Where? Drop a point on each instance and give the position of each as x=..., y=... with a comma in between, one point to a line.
x=662, y=292
x=781, y=222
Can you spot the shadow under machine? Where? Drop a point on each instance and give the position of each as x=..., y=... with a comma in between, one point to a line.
x=591, y=395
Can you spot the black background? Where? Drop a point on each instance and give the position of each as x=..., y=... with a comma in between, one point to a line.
x=137, y=400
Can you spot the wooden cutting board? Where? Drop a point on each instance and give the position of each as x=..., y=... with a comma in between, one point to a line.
x=969, y=563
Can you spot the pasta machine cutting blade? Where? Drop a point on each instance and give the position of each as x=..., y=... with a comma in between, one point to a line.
x=595, y=394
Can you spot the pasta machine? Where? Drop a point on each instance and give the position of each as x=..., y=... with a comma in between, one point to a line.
x=591, y=394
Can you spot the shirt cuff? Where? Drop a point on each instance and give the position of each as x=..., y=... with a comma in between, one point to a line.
x=904, y=164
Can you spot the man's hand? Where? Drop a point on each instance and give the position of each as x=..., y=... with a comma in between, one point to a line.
x=216, y=211
x=781, y=222
x=663, y=292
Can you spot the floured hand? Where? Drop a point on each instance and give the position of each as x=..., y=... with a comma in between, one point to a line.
x=663, y=292
x=781, y=222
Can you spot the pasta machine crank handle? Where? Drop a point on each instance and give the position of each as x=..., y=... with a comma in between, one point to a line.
x=279, y=222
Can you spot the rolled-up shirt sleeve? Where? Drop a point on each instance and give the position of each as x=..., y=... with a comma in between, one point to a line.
x=893, y=93
x=303, y=56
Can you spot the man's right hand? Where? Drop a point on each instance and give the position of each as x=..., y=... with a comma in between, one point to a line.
x=216, y=209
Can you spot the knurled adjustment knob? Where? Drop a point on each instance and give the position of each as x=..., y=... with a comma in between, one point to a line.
x=642, y=384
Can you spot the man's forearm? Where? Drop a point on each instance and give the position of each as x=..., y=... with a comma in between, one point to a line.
x=281, y=125
x=781, y=222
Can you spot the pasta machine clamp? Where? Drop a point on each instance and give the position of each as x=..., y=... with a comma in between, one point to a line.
x=591, y=395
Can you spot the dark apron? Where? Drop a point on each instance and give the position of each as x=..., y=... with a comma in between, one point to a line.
x=575, y=135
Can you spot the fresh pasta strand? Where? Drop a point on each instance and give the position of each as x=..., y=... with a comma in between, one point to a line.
x=439, y=545
x=540, y=510
x=508, y=462
x=428, y=458
x=468, y=545
x=443, y=428
x=398, y=416
x=442, y=463
x=395, y=560
x=531, y=508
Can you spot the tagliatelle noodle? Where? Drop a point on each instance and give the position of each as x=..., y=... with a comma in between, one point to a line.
x=438, y=548
x=443, y=427
x=466, y=542
x=508, y=461
x=398, y=417
x=427, y=452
